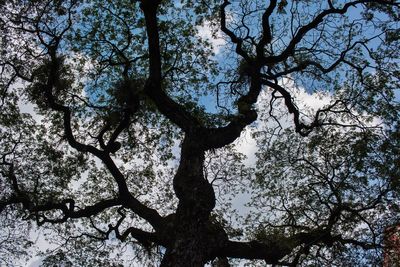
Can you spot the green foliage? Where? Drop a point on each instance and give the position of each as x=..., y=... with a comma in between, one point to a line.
x=305, y=180
x=57, y=259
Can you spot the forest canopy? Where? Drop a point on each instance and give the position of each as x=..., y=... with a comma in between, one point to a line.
x=186, y=133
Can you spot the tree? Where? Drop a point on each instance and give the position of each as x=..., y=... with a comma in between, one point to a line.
x=120, y=86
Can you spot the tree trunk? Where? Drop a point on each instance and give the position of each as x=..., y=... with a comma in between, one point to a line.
x=191, y=247
x=192, y=242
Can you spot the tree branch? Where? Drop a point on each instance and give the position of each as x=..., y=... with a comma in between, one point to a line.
x=266, y=33
x=302, y=31
x=168, y=107
x=126, y=197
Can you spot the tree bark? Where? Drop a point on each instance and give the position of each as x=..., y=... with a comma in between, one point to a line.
x=193, y=234
x=190, y=246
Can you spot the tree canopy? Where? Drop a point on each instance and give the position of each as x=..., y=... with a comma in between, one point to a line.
x=122, y=126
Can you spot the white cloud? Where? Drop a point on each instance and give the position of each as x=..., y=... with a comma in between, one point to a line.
x=212, y=35
x=307, y=103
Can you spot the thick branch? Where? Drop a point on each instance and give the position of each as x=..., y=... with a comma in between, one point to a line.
x=67, y=207
x=135, y=205
x=235, y=39
x=275, y=248
x=271, y=252
x=266, y=33
x=168, y=107
x=300, y=127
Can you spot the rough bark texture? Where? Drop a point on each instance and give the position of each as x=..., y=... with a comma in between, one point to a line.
x=191, y=243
